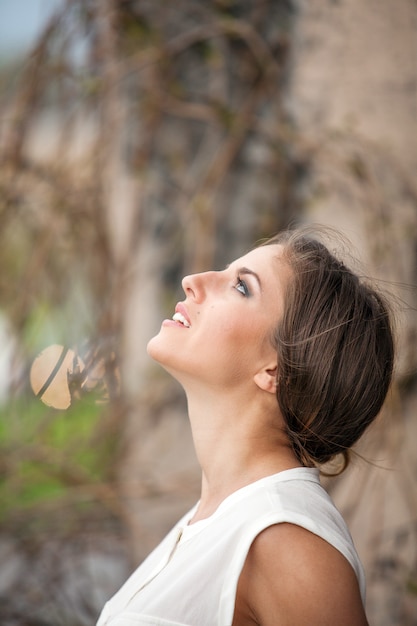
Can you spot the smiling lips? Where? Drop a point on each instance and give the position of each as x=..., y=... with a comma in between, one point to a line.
x=181, y=316
x=178, y=317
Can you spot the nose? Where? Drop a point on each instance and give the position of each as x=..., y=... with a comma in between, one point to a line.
x=196, y=285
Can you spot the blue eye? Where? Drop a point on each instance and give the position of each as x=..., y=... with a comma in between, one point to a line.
x=242, y=287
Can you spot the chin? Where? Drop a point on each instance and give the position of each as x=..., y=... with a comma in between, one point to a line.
x=159, y=350
x=152, y=347
x=166, y=356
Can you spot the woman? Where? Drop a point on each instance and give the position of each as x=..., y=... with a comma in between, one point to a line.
x=286, y=357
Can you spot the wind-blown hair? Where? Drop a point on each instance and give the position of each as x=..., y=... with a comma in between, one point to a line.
x=335, y=351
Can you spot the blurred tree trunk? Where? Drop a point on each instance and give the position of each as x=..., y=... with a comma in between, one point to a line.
x=353, y=95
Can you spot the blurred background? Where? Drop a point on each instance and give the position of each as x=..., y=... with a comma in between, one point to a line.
x=141, y=140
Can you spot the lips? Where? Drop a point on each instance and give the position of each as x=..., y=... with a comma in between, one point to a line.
x=181, y=315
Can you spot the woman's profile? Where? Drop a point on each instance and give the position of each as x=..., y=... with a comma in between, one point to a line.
x=286, y=357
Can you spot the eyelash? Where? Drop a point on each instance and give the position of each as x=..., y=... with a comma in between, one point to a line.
x=240, y=284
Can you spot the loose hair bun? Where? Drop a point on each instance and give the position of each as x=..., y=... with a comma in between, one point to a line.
x=335, y=351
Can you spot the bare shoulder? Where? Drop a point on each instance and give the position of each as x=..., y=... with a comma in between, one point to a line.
x=292, y=577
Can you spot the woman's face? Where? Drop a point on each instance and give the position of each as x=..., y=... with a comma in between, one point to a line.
x=221, y=332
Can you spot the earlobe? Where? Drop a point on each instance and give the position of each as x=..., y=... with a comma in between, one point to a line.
x=266, y=379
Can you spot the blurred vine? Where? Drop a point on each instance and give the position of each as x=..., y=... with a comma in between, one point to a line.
x=121, y=137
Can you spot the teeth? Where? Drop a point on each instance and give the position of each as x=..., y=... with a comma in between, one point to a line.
x=177, y=317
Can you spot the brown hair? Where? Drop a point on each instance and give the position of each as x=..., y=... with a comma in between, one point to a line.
x=335, y=351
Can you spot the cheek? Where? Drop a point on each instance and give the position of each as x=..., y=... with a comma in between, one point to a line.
x=237, y=344
x=232, y=332
x=247, y=331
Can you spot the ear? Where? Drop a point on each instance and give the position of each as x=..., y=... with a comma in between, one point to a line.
x=266, y=378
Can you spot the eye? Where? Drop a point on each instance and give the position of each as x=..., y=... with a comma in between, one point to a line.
x=242, y=287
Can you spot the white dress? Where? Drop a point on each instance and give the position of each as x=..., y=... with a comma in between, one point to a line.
x=190, y=579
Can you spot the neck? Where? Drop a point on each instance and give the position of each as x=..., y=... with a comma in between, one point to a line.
x=238, y=439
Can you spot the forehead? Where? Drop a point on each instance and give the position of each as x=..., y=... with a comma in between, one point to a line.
x=268, y=257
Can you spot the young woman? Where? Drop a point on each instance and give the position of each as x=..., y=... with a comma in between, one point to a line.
x=286, y=357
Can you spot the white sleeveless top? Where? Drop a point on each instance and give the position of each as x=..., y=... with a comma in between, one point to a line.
x=190, y=579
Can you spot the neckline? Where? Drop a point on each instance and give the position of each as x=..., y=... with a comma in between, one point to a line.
x=311, y=474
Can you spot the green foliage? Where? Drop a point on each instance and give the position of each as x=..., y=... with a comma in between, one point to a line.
x=412, y=585
x=49, y=456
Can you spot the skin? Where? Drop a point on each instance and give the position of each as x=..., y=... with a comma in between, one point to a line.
x=227, y=365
